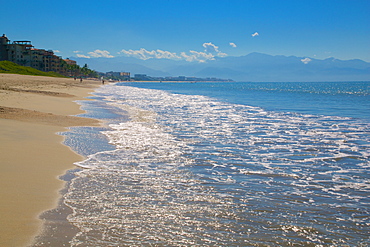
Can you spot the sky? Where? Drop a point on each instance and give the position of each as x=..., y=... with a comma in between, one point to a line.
x=191, y=30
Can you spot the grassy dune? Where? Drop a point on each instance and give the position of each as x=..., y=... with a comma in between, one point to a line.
x=13, y=68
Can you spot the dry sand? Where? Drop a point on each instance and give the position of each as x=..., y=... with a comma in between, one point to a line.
x=32, y=110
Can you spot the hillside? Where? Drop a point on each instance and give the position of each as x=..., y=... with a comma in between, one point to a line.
x=13, y=68
x=252, y=67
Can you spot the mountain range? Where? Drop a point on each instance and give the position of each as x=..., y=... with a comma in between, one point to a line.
x=257, y=67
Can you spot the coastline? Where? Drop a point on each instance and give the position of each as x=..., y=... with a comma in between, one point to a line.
x=33, y=109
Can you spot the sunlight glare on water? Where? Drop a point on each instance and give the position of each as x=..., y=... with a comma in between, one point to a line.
x=189, y=170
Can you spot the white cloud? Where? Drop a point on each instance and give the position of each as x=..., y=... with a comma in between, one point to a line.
x=221, y=54
x=80, y=55
x=77, y=51
x=233, y=45
x=306, y=60
x=211, y=51
x=56, y=51
x=100, y=53
x=166, y=54
x=255, y=34
x=141, y=54
x=145, y=54
x=210, y=48
x=197, y=56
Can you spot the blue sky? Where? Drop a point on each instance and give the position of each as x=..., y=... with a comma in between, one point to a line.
x=192, y=30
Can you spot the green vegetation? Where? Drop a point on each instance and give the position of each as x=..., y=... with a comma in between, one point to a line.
x=13, y=68
x=77, y=71
x=68, y=70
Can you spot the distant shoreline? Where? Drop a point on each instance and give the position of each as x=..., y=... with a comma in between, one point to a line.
x=177, y=81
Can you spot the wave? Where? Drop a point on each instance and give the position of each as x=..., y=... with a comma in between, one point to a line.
x=193, y=170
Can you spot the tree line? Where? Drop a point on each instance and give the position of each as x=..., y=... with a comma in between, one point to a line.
x=74, y=70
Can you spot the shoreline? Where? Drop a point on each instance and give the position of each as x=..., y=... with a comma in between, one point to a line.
x=33, y=110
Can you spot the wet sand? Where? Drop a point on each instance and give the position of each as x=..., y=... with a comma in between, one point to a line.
x=32, y=110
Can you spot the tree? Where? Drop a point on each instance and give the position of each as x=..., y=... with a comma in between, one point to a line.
x=74, y=70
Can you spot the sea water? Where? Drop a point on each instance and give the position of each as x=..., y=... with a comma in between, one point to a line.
x=223, y=164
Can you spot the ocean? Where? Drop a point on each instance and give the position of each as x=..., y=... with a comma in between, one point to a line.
x=222, y=164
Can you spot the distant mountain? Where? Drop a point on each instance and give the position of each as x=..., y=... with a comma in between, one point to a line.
x=252, y=67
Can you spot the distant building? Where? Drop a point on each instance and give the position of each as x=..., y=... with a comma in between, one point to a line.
x=113, y=74
x=24, y=53
x=117, y=76
x=125, y=76
x=143, y=77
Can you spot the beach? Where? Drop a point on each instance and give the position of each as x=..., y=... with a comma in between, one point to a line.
x=33, y=109
x=184, y=164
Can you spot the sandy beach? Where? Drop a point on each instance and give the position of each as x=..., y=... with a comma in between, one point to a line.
x=32, y=110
